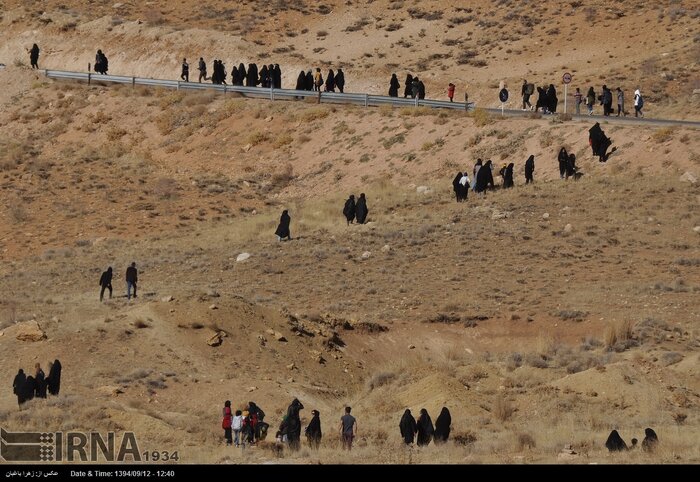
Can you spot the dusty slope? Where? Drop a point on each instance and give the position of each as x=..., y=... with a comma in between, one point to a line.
x=534, y=334
x=632, y=44
x=161, y=159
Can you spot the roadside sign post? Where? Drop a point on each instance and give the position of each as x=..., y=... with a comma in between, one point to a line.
x=566, y=78
x=503, y=97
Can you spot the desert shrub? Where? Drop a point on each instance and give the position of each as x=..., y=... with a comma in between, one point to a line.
x=502, y=409
x=663, y=135
x=380, y=379
x=258, y=137
x=481, y=117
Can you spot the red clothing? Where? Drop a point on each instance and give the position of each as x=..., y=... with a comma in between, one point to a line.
x=226, y=422
x=451, y=91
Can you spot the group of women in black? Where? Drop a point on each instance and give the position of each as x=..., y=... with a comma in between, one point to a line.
x=413, y=88
x=308, y=81
x=483, y=178
x=27, y=387
x=547, y=99
x=268, y=76
x=356, y=210
x=423, y=428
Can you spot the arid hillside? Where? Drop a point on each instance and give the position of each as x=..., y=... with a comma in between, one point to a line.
x=543, y=316
x=631, y=44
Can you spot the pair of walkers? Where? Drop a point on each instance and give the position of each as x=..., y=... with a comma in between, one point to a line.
x=131, y=280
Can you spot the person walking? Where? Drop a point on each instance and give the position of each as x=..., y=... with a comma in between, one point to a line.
x=18, y=386
x=529, y=169
x=226, y=423
x=313, y=430
x=131, y=280
x=185, y=74
x=526, y=91
x=425, y=428
x=590, y=100
x=237, y=426
x=451, y=91
x=621, y=102
x=34, y=56
x=350, y=209
x=408, y=427
x=348, y=429
x=202, y=70
x=340, y=80
x=54, y=380
x=394, y=86
x=578, y=99
x=40, y=381
x=361, y=210
x=318, y=80
x=638, y=103
x=282, y=231
x=106, y=283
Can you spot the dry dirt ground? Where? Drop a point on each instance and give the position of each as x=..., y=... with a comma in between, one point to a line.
x=541, y=316
x=654, y=46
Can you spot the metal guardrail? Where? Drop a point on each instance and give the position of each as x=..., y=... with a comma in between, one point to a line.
x=366, y=100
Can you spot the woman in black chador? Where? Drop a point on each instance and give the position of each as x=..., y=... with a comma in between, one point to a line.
x=394, y=86
x=340, y=80
x=301, y=81
x=552, y=100
x=408, y=427
x=408, y=86
x=361, y=209
x=18, y=386
x=563, y=158
x=349, y=210
x=599, y=142
x=615, y=442
x=425, y=428
x=456, y=187
x=529, y=169
x=508, y=177
x=54, y=380
x=484, y=178
x=294, y=424
x=330, y=81
x=313, y=430
x=283, y=227
x=242, y=74
x=264, y=77
x=442, y=426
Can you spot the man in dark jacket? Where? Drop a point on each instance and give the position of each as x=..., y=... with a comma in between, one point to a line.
x=106, y=283
x=202, y=70
x=131, y=280
x=185, y=74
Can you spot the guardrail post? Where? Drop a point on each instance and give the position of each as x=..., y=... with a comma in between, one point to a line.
x=133, y=81
x=89, y=77
x=318, y=100
x=272, y=92
x=225, y=85
x=416, y=101
x=366, y=100
x=178, y=85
